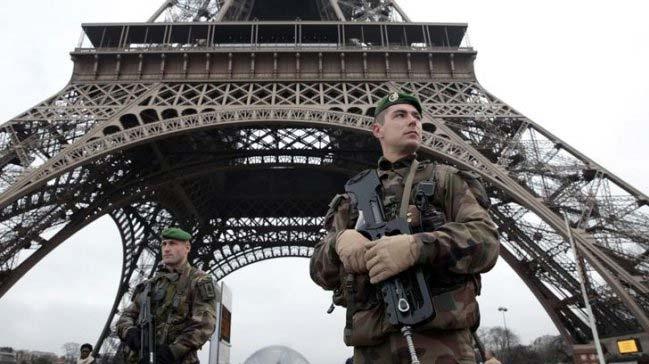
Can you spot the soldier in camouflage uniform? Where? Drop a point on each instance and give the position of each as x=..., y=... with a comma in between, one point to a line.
x=453, y=255
x=183, y=303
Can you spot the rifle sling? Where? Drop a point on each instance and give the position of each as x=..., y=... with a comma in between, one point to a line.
x=407, y=187
x=351, y=305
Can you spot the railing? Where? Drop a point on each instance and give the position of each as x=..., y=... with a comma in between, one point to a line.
x=273, y=34
x=139, y=48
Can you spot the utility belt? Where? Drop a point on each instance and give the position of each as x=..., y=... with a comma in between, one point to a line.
x=366, y=324
x=366, y=295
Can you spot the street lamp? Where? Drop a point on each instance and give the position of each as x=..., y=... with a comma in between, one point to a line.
x=503, y=310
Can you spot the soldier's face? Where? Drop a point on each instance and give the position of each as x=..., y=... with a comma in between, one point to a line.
x=401, y=129
x=174, y=252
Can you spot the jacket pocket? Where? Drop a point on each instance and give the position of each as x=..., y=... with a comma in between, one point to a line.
x=370, y=328
x=455, y=309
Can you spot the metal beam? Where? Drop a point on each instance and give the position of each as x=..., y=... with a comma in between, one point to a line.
x=166, y=5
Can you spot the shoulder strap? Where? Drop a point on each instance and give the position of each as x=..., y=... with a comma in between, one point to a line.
x=405, y=198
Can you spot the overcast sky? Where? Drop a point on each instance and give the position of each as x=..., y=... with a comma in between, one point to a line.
x=578, y=68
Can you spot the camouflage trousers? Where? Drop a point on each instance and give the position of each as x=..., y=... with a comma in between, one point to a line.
x=434, y=347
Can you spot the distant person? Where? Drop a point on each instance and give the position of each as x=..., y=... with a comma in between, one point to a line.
x=84, y=354
x=491, y=358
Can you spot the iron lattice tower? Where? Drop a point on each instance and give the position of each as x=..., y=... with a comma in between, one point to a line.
x=239, y=119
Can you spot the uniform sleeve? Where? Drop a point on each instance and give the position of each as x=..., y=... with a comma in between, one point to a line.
x=129, y=316
x=325, y=264
x=201, y=323
x=468, y=242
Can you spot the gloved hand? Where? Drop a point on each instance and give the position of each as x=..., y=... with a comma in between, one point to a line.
x=164, y=355
x=391, y=255
x=350, y=247
x=133, y=338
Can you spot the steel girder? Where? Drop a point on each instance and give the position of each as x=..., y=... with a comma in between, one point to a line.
x=215, y=158
x=241, y=10
x=224, y=185
x=533, y=177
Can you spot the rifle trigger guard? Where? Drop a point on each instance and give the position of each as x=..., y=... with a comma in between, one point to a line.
x=403, y=305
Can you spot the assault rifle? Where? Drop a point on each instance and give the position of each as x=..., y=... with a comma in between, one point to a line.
x=406, y=296
x=146, y=323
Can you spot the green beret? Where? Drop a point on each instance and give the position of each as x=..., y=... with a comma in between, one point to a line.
x=396, y=98
x=176, y=234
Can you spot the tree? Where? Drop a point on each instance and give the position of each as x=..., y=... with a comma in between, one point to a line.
x=553, y=349
x=501, y=341
x=497, y=338
x=71, y=351
x=547, y=349
x=523, y=354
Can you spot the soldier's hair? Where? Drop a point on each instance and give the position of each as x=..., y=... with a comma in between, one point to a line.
x=380, y=118
x=86, y=345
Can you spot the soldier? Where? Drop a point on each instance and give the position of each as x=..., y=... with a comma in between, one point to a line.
x=452, y=256
x=183, y=303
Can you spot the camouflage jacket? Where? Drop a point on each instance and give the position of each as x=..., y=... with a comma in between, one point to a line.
x=453, y=255
x=184, y=307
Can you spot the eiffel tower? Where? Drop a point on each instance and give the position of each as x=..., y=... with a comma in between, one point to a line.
x=208, y=114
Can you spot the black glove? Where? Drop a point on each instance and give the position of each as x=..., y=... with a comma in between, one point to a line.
x=133, y=338
x=164, y=355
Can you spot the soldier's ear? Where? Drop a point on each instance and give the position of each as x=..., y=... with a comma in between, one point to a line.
x=377, y=130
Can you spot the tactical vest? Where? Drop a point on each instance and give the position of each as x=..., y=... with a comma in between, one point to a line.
x=360, y=295
x=171, y=303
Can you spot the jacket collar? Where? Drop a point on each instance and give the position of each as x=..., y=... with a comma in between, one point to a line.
x=399, y=166
x=163, y=269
